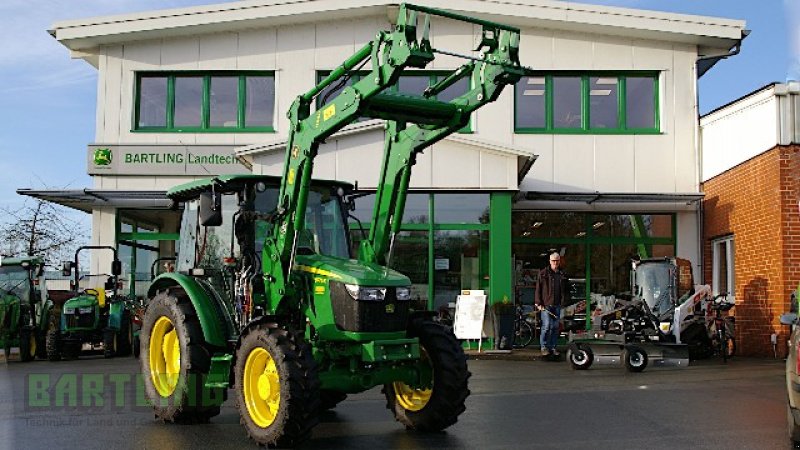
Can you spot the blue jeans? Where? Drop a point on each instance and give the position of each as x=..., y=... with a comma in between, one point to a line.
x=549, y=335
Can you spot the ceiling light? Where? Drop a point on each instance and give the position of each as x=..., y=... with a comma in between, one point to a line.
x=598, y=92
x=537, y=224
x=597, y=225
x=606, y=81
x=536, y=92
x=580, y=234
x=536, y=80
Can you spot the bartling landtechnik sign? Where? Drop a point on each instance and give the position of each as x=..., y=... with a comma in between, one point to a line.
x=163, y=160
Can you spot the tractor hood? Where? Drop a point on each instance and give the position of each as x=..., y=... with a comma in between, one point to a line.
x=350, y=271
x=81, y=301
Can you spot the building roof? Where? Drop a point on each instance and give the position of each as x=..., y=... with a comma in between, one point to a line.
x=712, y=34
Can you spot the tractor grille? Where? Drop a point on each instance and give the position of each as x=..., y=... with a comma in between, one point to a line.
x=366, y=316
x=85, y=320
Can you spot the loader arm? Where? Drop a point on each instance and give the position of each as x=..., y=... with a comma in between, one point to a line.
x=413, y=123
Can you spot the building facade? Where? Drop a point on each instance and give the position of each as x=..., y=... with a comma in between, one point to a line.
x=594, y=154
x=751, y=209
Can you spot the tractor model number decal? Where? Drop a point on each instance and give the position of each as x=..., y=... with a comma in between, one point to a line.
x=319, y=289
x=329, y=112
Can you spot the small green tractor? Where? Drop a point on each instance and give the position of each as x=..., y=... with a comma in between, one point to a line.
x=23, y=307
x=94, y=315
x=268, y=297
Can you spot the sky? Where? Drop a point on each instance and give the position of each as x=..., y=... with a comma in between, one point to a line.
x=47, y=100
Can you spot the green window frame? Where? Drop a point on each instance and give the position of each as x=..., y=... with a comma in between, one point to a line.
x=545, y=87
x=205, y=125
x=433, y=77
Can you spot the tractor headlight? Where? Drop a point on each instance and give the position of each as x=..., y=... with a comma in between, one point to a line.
x=86, y=310
x=403, y=293
x=69, y=310
x=366, y=293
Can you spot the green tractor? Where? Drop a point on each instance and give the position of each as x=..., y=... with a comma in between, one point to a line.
x=23, y=307
x=96, y=314
x=267, y=296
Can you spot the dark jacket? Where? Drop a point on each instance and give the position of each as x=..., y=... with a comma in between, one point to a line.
x=546, y=286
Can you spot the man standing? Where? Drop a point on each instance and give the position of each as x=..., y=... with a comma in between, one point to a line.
x=550, y=293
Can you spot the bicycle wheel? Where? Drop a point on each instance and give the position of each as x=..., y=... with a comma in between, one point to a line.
x=523, y=335
x=721, y=344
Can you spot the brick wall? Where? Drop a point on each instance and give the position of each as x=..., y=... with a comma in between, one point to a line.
x=757, y=202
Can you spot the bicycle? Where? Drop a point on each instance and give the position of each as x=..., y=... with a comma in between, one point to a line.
x=524, y=327
x=722, y=329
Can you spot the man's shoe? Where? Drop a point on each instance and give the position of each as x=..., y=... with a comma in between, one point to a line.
x=545, y=352
x=554, y=352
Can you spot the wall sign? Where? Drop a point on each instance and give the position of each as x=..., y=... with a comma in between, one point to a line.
x=163, y=160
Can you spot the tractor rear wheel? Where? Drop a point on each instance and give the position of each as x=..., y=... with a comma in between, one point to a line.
x=53, y=336
x=277, y=387
x=176, y=362
x=436, y=407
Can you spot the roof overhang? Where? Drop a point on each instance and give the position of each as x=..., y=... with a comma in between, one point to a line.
x=87, y=199
x=525, y=158
x=711, y=34
x=591, y=201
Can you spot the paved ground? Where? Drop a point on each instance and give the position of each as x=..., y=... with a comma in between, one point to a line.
x=514, y=404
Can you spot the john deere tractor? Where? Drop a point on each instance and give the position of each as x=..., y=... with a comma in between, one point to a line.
x=96, y=314
x=23, y=306
x=267, y=297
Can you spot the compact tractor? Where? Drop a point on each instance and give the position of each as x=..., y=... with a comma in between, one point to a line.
x=23, y=306
x=95, y=315
x=663, y=321
x=267, y=297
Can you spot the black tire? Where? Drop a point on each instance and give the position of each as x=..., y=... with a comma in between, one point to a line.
x=523, y=334
x=450, y=380
x=136, y=346
x=328, y=399
x=110, y=343
x=696, y=338
x=125, y=335
x=295, y=374
x=53, y=336
x=580, y=356
x=27, y=345
x=188, y=401
x=635, y=358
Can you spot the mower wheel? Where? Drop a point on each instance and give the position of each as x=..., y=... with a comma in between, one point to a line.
x=580, y=356
x=328, y=399
x=176, y=361
x=635, y=358
x=53, y=336
x=437, y=406
x=27, y=345
x=277, y=386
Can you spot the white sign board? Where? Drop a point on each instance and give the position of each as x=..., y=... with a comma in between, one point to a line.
x=470, y=307
x=441, y=264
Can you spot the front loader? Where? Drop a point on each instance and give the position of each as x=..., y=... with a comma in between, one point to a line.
x=267, y=297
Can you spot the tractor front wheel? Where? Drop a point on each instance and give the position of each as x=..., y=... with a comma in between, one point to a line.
x=277, y=387
x=53, y=336
x=175, y=361
x=27, y=345
x=436, y=405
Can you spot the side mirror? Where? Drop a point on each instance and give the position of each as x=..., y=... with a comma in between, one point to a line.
x=109, y=284
x=116, y=267
x=788, y=318
x=210, y=209
x=66, y=268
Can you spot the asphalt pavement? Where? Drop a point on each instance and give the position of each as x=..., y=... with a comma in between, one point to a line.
x=93, y=403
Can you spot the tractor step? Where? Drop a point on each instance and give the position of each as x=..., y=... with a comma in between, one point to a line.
x=218, y=374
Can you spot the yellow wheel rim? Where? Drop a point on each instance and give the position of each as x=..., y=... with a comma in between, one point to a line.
x=165, y=356
x=413, y=399
x=262, y=387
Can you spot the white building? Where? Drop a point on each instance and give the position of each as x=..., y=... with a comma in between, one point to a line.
x=608, y=113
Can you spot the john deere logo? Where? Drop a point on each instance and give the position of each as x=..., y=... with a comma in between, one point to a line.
x=102, y=156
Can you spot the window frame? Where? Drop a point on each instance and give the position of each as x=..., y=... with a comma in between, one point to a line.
x=585, y=128
x=730, y=258
x=205, y=106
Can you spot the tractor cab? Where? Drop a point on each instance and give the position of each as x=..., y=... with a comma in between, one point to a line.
x=662, y=283
x=22, y=305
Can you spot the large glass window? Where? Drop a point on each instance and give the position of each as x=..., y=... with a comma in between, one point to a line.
x=410, y=257
x=197, y=102
x=456, y=264
x=461, y=208
x=592, y=103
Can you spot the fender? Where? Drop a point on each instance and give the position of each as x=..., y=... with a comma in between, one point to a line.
x=213, y=326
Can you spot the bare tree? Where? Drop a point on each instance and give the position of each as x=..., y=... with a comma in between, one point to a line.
x=41, y=228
